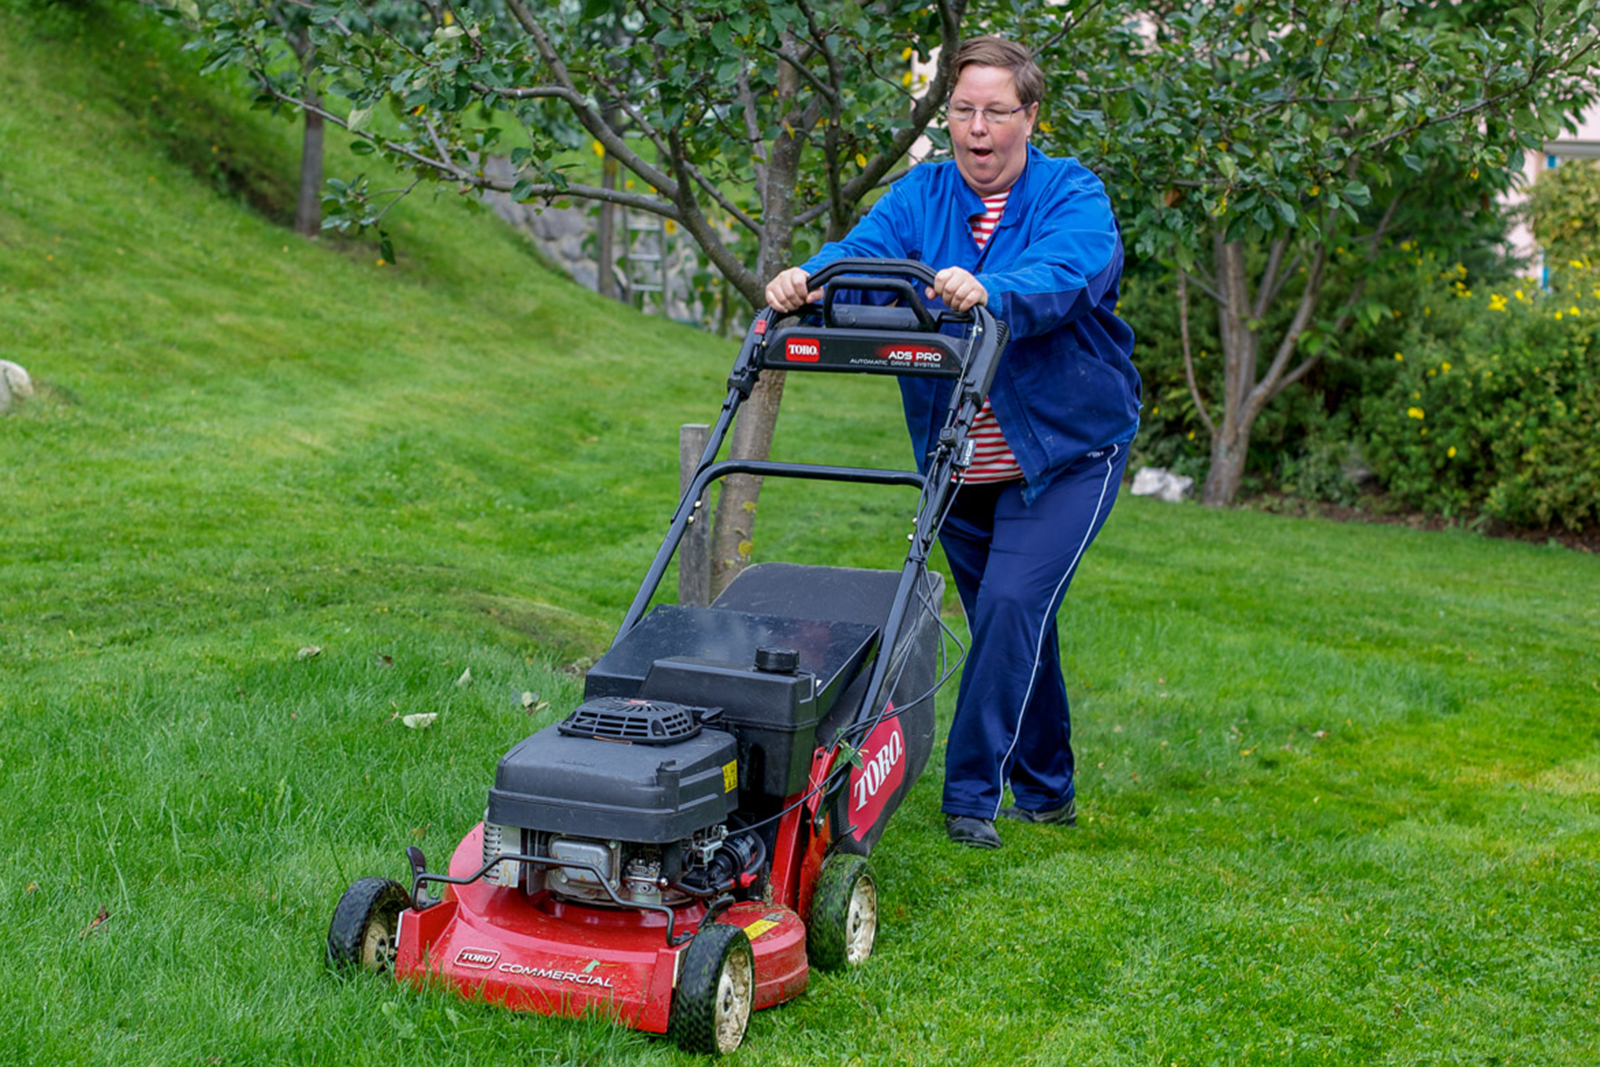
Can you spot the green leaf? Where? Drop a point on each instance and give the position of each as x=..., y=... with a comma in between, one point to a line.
x=359, y=117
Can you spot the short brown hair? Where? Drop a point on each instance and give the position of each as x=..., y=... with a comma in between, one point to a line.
x=989, y=51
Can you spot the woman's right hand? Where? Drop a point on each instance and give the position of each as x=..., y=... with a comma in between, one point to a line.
x=791, y=289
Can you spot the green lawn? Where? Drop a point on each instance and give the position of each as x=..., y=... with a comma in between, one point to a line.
x=1338, y=784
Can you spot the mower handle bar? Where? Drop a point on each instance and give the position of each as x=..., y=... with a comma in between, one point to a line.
x=882, y=276
x=760, y=468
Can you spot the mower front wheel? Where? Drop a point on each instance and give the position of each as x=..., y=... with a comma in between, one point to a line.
x=366, y=925
x=716, y=991
x=844, y=914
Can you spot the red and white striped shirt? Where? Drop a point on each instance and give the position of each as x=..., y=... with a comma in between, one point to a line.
x=992, y=460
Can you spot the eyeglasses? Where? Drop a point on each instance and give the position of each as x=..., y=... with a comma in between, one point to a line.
x=994, y=115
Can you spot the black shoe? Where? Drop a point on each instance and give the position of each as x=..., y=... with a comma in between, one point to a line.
x=966, y=830
x=1065, y=815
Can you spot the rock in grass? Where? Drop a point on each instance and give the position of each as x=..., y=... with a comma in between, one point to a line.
x=14, y=384
x=1162, y=484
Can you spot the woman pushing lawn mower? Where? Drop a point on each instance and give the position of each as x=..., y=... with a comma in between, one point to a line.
x=1032, y=239
x=691, y=841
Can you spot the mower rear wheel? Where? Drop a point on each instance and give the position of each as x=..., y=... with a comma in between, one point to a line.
x=716, y=991
x=844, y=913
x=366, y=925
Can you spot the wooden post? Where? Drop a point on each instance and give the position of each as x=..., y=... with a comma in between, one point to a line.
x=694, y=553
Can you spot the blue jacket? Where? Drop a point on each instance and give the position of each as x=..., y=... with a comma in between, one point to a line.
x=1066, y=384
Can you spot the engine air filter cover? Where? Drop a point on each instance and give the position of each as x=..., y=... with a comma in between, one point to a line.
x=643, y=722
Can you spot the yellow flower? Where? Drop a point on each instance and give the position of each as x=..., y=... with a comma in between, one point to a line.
x=1461, y=269
x=671, y=226
x=1398, y=358
x=599, y=149
x=1432, y=372
x=905, y=79
x=1191, y=435
x=1415, y=413
x=1573, y=310
x=1445, y=366
x=1558, y=316
x=906, y=54
x=1474, y=174
x=1405, y=246
x=1155, y=411
x=1523, y=298
x=1451, y=452
x=861, y=161
x=1497, y=302
x=1316, y=190
x=381, y=263
x=1578, y=263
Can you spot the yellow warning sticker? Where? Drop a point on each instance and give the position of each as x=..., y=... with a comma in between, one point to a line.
x=757, y=928
x=730, y=777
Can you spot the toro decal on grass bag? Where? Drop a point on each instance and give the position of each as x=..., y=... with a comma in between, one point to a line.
x=883, y=768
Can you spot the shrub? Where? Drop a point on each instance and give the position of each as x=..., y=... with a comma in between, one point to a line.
x=1563, y=211
x=1494, y=405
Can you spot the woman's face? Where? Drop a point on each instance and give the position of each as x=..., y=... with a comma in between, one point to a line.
x=990, y=155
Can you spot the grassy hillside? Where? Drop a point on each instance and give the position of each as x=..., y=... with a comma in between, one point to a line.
x=1339, y=784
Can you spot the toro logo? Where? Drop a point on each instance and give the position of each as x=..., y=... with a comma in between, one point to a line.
x=802, y=350
x=482, y=959
x=883, y=768
x=916, y=355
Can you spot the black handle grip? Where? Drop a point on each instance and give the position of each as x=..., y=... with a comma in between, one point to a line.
x=863, y=283
x=903, y=268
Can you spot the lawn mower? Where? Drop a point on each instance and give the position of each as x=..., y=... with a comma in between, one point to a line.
x=692, y=839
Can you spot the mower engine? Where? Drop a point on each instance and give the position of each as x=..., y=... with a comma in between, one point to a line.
x=630, y=799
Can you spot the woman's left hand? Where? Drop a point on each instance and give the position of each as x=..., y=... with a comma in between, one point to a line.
x=958, y=288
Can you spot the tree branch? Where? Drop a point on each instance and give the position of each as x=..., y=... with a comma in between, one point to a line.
x=1068, y=25
x=752, y=129
x=710, y=242
x=1188, y=359
x=1269, y=384
x=653, y=205
x=592, y=120
x=950, y=13
x=1266, y=290
x=1538, y=72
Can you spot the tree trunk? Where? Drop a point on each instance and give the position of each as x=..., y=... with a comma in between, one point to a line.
x=1227, y=468
x=733, y=536
x=308, y=208
x=1230, y=442
x=605, y=239
x=605, y=236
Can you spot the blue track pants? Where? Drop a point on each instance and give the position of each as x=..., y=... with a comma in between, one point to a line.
x=1012, y=564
